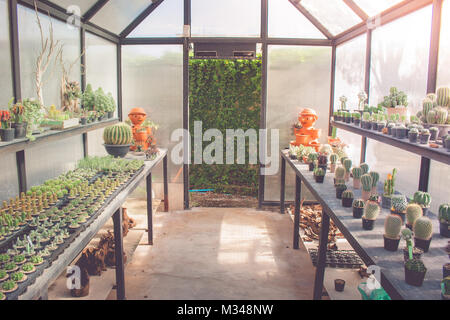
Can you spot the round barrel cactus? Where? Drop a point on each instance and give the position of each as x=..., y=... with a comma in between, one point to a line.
x=334, y=158
x=365, y=167
x=392, y=226
x=444, y=213
x=371, y=210
x=413, y=212
x=347, y=163
x=118, y=134
x=422, y=198
x=423, y=228
x=366, y=181
x=399, y=203
x=441, y=115
x=375, y=178
x=357, y=173
x=443, y=97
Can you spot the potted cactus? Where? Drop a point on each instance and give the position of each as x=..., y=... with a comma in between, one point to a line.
x=389, y=127
x=399, y=203
x=358, y=208
x=413, y=212
x=313, y=156
x=357, y=173
x=410, y=252
x=319, y=175
x=118, y=139
x=423, y=199
x=392, y=227
x=423, y=232
x=339, y=175
x=375, y=178
x=366, y=181
x=365, y=167
x=445, y=286
x=415, y=272
x=6, y=132
x=333, y=159
x=371, y=212
x=413, y=135
x=400, y=131
x=340, y=188
x=424, y=136
x=347, y=198
x=433, y=133
x=347, y=163
x=3, y=275
x=388, y=189
x=444, y=220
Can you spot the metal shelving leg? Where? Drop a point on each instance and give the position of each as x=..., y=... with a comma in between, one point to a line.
x=282, y=185
x=118, y=242
x=149, y=209
x=298, y=192
x=322, y=256
x=166, y=185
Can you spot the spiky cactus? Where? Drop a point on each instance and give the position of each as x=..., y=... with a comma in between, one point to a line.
x=118, y=134
x=389, y=184
x=347, y=194
x=334, y=158
x=431, y=117
x=347, y=165
x=427, y=106
x=423, y=228
x=443, y=96
x=371, y=210
x=441, y=115
x=399, y=203
x=392, y=226
x=365, y=167
x=444, y=213
x=422, y=198
x=358, y=203
x=342, y=159
x=433, y=98
x=375, y=178
x=313, y=156
x=366, y=181
x=339, y=174
x=357, y=173
x=413, y=212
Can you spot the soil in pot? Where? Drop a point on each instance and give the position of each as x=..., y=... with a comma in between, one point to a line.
x=7, y=134
x=444, y=229
x=391, y=244
x=422, y=244
x=368, y=224
x=357, y=212
x=339, y=285
x=414, y=278
x=319, y=179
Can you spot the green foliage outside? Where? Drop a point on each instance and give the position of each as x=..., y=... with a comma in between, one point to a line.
x=225, y=94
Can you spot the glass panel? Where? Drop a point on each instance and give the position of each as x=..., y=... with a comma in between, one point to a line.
x=231, y=18
x=382, y=158
x=101, y=71
x=116, y=15
x=159, y=67
x=443, y=74
x=372, y=7
x=400, y=54
x=84, y=5
x=165, y=21
x=439, y=177
x=285, y=21
x=10, y=182
x=59, y=156
x=30, y=46
x=298, y=77
x=6, y=91
x=335, y=15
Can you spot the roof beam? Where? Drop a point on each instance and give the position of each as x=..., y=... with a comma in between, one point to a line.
x=401, y=9
x=94, y=10
x=356, y=9
x=311, y=18
x=140, y=18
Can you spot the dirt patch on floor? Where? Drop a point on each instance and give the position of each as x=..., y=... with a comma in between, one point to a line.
x=220, y=200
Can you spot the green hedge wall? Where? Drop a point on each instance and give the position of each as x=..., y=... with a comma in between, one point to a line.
x=225, y=94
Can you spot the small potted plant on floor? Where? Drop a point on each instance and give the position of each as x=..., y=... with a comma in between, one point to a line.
x=366, y=182
x=2, y=296
x=392, y=227
x=413, y=212
x=358, y=208
x=340, y=188
x=423, y=232
x=28, y=268
x=333, y=159
x=19, y=277
x=9, y=286
x=3, y=275
x=347, y=198
x=388, y=190
x=347, y=163
x=445, y=286
x=357, y=174
x=7, y=133
x=413, y=135
x=444, y=220
x=371, y=212
x=399, y=203
x=424, y=136
x=415, y=272
x=423, y=199
x=319, y=175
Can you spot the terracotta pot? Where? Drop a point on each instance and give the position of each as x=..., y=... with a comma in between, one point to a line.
x=301, y=138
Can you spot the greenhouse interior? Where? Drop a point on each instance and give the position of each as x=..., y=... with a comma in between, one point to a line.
x=225, y=150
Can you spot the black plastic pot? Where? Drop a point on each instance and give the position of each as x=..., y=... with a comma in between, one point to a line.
x=446, y=270
x=433, y=135
x=380, y=127
x=417, y=253
x=367, y=125
x=7, y=134
x=424, y=138
x=110, y=114
x=117, y=151
x=348, y=120
x=385, y=202
x=311, y=166
x=374, y=126
x=319, y=179
x=413, y=136
x=424, y=211
x=422, y=244
x=357, y=122
x=368, y=224
x=20, y=130
x=347, y=202
x=394, y=132
x=339, y=193
x=391, y=244
x=357, y=212
x=339, y=285
x=83, y=121
x=444, y=229
x=401, y=133
x=414, y=278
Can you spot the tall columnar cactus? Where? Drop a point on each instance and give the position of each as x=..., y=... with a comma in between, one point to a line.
x=365, y=167
x=342, y=159
x=347, y=165
x=392, y=226
x=375, y=178
x=339, y=174
x=371, y=210
x=423, y=228
x=422, y=198
x=118, y=134
x=433, y=98
x=357, y=173
x=366, y=181
x=441, y=115
x=444, y=213
x=427, y=106
x=399, y=203
x=443, y=97
x=389, y=184
x=413, y=212
x=334, y=158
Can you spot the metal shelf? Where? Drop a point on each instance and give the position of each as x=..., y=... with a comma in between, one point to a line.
x=437, y=154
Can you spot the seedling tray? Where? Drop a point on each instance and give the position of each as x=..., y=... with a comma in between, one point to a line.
x=345, y=259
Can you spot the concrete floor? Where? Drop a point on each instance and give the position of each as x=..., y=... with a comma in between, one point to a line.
x=219, y=253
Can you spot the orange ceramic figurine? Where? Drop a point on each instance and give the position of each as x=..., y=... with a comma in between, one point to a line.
x=140, y=133
x=307, y=135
